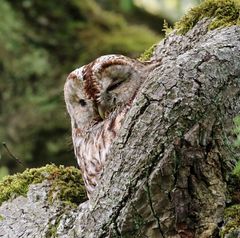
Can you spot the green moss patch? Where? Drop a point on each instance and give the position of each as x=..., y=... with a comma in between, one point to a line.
x=232, y=219
x=224, y=13
x=66, y=184
x=236, y=171
x=147, y=54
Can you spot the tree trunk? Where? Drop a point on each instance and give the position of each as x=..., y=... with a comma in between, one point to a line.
x=167, y=170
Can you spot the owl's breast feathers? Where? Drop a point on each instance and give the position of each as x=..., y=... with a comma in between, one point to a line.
x=93, y=146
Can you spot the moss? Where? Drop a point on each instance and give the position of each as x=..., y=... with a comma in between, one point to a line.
x=224, y=13
x=1, y=218
x=166, y=28
x=147, y=54
x=237, y=130
x=138, y=221
x=236, y=170
x=52, y=229
x=51, y=232
x=66, y=184
x=232, y=219
x=232, y=213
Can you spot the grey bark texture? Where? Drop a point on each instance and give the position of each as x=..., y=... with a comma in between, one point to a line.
x=167, y=170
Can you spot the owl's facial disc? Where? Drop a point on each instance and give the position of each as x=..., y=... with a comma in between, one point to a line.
x=114, y=94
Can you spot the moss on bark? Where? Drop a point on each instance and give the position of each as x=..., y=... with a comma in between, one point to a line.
x=224, y=13
x=66, y=184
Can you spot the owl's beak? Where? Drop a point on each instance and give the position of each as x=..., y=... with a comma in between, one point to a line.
x=101, y=111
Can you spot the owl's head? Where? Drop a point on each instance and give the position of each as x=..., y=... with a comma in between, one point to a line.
x=95, y=90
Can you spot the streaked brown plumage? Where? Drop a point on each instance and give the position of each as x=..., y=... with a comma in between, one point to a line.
x=98, y=96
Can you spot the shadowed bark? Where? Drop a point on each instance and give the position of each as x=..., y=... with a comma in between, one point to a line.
x=167, y=170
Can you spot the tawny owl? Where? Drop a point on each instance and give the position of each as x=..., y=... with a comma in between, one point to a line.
x=98, y=96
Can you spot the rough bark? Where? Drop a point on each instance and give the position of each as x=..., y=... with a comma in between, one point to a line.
x=167, y=171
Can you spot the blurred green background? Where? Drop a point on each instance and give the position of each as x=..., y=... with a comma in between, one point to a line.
x=40, y=43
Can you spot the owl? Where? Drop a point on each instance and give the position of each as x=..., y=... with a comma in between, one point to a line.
x=98, y=96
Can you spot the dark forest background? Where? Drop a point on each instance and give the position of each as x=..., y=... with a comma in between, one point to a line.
x=41, y=42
